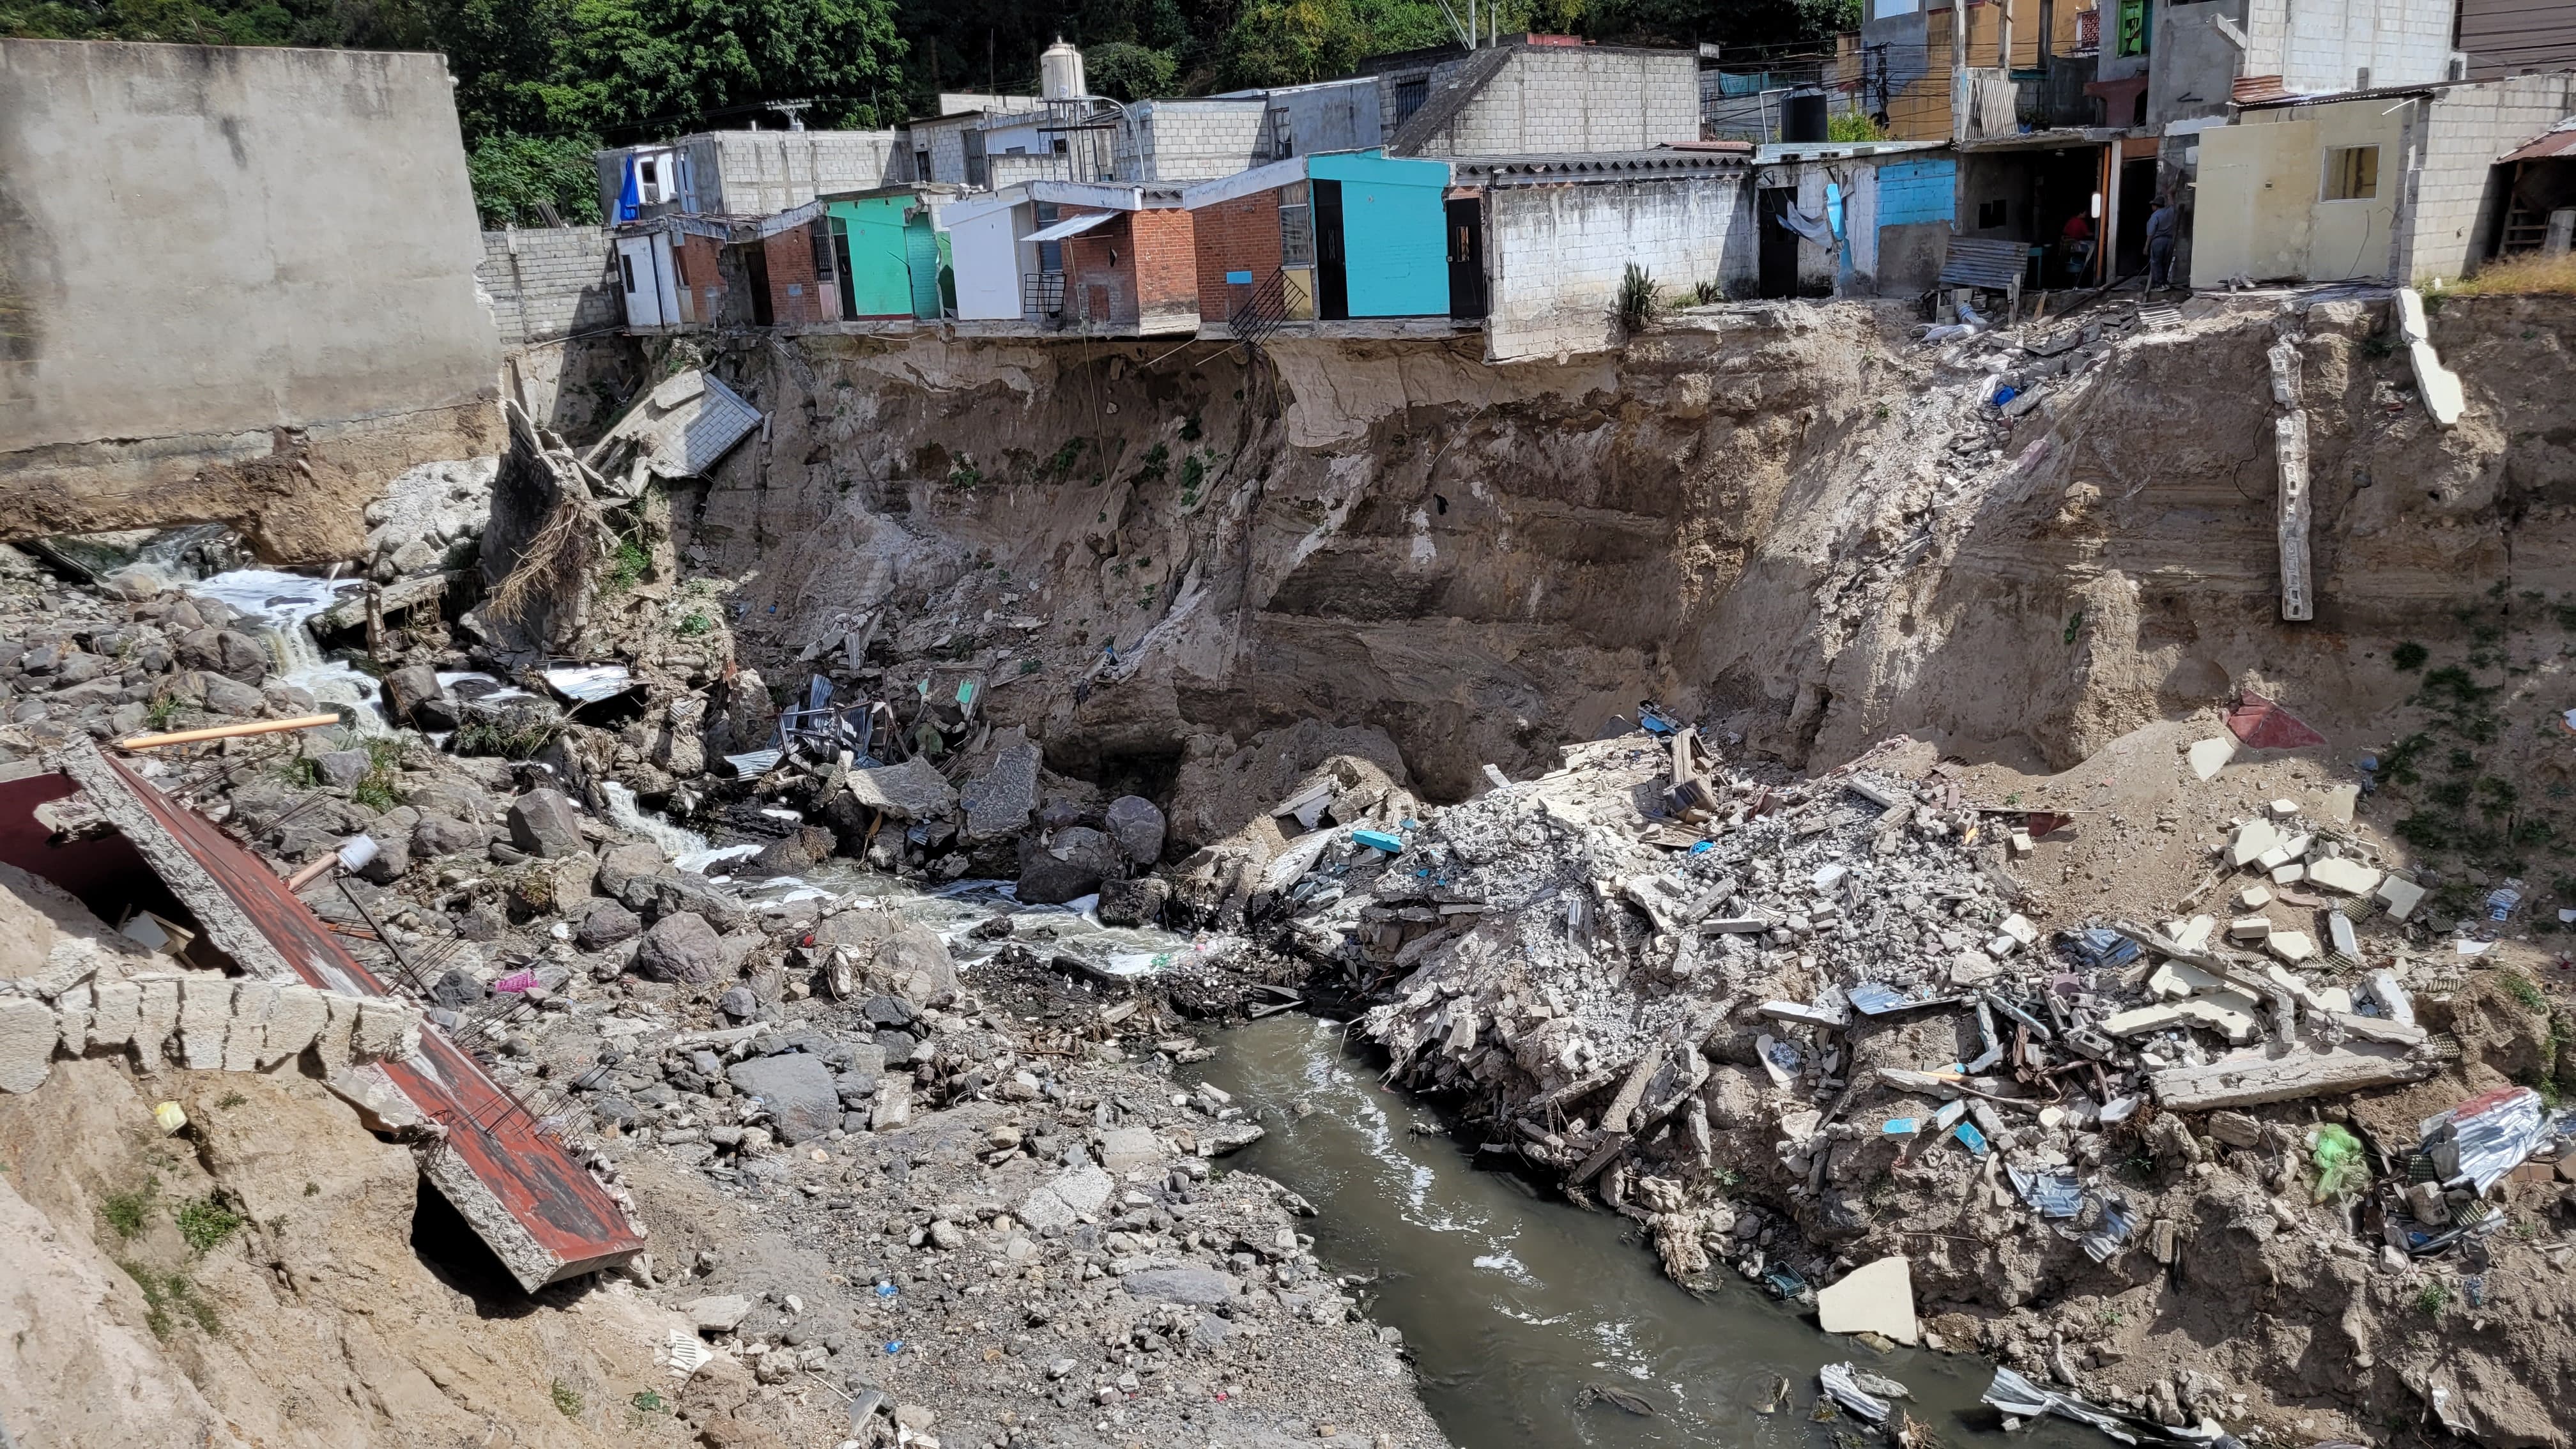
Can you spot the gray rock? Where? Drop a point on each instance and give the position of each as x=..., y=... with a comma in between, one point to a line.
x=605, y=924
x=229, y=696
x=343, y=769
x=1200, y=1287
x=890, y=1011
x=436, y=835
x=913, y=790
x=1137, y=902
x=680, y=947
x=887, y=950
x=1136, y=825
x=1072, y=866
x=242, y=657
x=392, y=859
x=457, y=991
x=626, y=872
x=787, y=855
x=544, y=823
x=739, y=1003
x=413, y=695
x=1000, y=801
x=692, y=894
x=798, y=1090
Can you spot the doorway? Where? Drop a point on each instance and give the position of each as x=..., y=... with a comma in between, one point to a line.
x=1779, y=260
x=1332, y=260
x=2137, y=199
x=1466, y=258
x=755, y=265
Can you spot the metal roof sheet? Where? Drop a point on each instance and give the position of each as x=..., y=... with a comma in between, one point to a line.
x=1070, y=226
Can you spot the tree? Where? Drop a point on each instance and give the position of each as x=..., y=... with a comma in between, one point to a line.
x=1125, y=71
x=517, y=177
x=1293, y=42
x=656, y=67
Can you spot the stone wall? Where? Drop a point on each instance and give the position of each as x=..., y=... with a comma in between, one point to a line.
x=238, y=285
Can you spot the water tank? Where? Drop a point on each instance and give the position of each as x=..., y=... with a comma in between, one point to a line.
x=1060, y=73
x=1802, y=115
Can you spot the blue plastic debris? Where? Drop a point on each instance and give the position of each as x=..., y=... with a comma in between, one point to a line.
x=2053, y=1194
x=1784, y=1284
x=894, y=1345
x=885, y=1290
x=2100, y=947
x=2006, y=394
x=1379, y=840
x=1900, y=1126
x=1970, y=1138
x=1703, y=847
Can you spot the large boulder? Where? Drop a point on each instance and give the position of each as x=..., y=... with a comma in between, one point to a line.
x=1136, y=824
x=888, y=951
x=1137, y=902
x=413, y=696
x=436, y=836
x=680, y=947
x=1067, y=868
x=999, y=801
x=544, y=823
x=798, y=1090
x=606, y=924
x=630, y=871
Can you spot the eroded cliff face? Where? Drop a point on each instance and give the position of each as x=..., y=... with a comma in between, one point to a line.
x=1797, y=522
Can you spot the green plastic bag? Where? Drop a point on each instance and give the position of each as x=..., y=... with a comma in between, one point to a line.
x=2342, y=1169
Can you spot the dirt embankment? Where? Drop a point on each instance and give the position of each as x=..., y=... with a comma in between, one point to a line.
x=1798, y=523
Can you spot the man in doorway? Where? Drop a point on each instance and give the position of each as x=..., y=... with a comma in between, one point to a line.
x=2161, y=225
x=2075, y=246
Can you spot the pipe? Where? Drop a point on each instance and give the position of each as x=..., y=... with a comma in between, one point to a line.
x=227, y=732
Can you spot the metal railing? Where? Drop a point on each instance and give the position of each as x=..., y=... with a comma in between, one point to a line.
x=1041, y=294
x=1262, y=311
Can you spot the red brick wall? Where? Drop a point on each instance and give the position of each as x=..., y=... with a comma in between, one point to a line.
x=791, y=266
x=1099, y=272
x=1167, y=265
x=1241, y=235
x=702, y=287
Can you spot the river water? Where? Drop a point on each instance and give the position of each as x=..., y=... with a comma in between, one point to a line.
x=1512, y=1300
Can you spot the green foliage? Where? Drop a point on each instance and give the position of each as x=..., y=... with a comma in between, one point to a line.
x=1637, y=301
x=480, y=736
x=693, y=624
x=1154, y=465
x=1732, y=23
x=1292, y=42
x=168, y=1295
x=964, y=473
x=2519, y=987
x=567, y=1402
x=1193, y=471
x=516, y=177
x=1190, y=428
x=1851, y=126
x=373, y=24
x=626, y=567
x=204, y=1223
x=1125, y=71
x=300, y=772
x=648, y=1402
x=1062, y=463
x=230, y=1100
x=1708, y=292
x=375, y=789
x=126, y=1212
x=163, y=709
x=2432, y=1298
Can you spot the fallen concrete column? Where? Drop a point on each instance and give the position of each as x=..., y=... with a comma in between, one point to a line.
x=2249, y=1079
x=221, y=1024
x=2290, y=452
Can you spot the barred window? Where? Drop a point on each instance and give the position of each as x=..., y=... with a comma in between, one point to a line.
x=1296, y=227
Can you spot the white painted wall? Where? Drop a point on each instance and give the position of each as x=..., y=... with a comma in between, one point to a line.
x=984, y=248
x=1558, y=253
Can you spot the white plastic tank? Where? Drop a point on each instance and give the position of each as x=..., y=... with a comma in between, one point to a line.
x=1060, y=72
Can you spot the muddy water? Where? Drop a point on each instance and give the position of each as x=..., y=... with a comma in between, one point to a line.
x=1512, y=1302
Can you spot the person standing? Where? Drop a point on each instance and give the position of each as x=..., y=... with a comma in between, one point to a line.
x=2161, y=226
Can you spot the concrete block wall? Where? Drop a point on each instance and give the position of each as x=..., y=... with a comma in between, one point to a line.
x=1557, y=254
x=1241, y=235
x=762, y=173
x=2457, y=192
x=1189, y=140
x=547, y=283
x=2324, y=45
x=202, y=1022
x=1560, y=254
x=1577, y=98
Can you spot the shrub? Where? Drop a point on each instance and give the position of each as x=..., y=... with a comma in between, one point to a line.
x=1637, y=304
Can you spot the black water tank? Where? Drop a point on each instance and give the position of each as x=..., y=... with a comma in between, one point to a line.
x=1802, y=115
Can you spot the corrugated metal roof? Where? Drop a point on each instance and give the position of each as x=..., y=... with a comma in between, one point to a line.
x=688, y=423
x=1070, y=226
x=2557, y=141
x=1992, y=263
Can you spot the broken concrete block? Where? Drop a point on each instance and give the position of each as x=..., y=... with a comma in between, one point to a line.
x=2235, y=1129
x=29, y=1032
x=205, y=1019
x=1872, y=1298
x=1083, y=1188
x=2289, y=875
x=156, y=1016
x=2250, y=841
x=2195, y=933
x=2400, y=895
x=73, y=1008
x=721, y=1314
x=2291, y=946
x=893, y=1105
x=2341, y=938
x=385, y=1030
x=2201, y=1011
x=2283, y=809
x=2019, y=843
x=252, y=1002
x=339, y=1025
x=1127, y=1149
x=293, y=1023
x=2249, y=928
x=2254, y=897
x=2019, y=928
x=1826, y=1017
x=2350, y=877
x=2178, y=980
x=2247, y=1079
x=2208, y=757
x=115, y=1013
x=2335, y=804
x=1972, y=967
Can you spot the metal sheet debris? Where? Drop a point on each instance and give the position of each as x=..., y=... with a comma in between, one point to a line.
x=682, y=428
x=588, y=683
x=2264, y=725
x=2019, y=1398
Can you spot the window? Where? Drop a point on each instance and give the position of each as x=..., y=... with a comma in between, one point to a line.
x=1296, y=227
x=974, y=158
x=1050, y=253
x=1992, y=214
x=2133, y=32
x=1410, y=93
x=626, y=269
x=2352, y=173
x=821, y=238
x=647, y=178
x=921, y=163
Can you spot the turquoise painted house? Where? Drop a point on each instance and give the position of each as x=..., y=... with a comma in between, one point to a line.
x=1333, y=236
x=1381, y=235
x=894, y=254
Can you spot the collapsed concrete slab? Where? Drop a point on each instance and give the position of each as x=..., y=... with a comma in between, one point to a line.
x=1872, y=1298
x=2250, y=1079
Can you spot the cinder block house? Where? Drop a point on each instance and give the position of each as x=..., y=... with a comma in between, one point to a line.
x=1332, y=237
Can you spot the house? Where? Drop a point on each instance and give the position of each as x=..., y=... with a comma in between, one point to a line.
x=2499, y=38
x=741, y=173
x=951, y=147
x=1060, y=253
x=2539, y=207
x=1332, y=237
x=677, y=271
x=668, y=273
x=2395, y=184
x=1941, y=72
x=893, y=251
x=1535, y=95
x=1887, y=211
